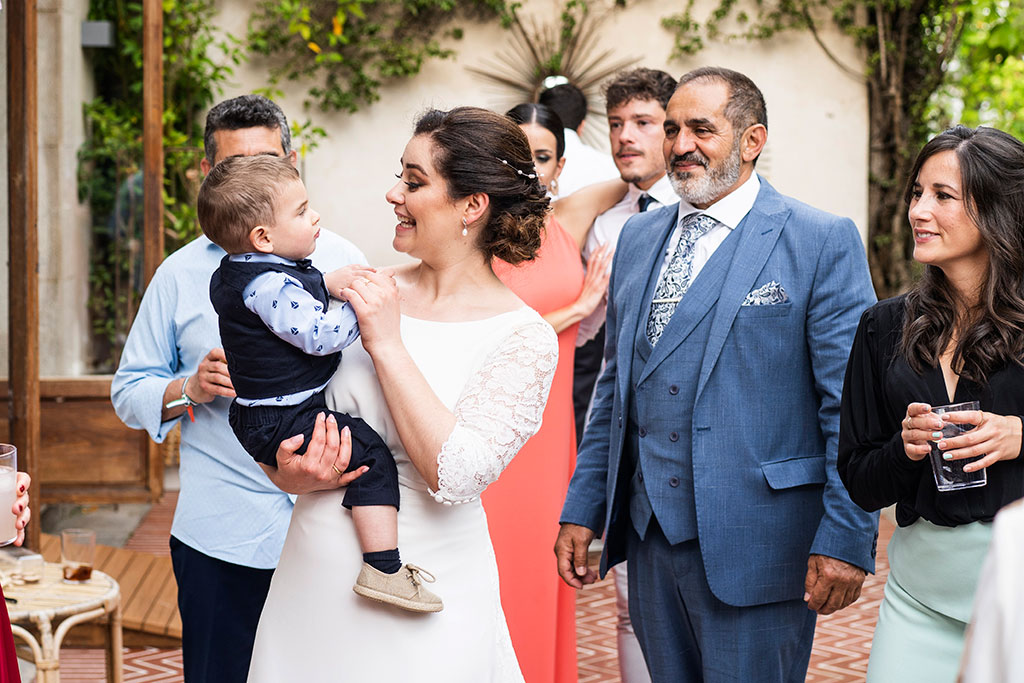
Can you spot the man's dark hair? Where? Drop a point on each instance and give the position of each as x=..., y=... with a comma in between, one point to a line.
x=245, y=111
x=746, y=103
x=569, y=103
x=639, y=84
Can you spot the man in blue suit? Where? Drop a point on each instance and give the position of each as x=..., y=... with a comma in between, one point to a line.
x=710, y=456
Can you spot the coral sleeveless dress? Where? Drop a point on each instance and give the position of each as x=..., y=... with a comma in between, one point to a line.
x=523, y=506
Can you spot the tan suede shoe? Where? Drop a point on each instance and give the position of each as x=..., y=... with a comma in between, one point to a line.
x=402, y=589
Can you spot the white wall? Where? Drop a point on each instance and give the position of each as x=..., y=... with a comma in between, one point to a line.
x=818, y=126
x=817, y=149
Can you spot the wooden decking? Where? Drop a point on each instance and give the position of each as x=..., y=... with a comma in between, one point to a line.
x=148, y=594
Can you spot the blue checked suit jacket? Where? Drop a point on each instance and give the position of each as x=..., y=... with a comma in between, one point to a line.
x=763, y=425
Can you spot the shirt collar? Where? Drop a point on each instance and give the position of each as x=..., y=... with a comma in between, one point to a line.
x=661, y=191
x=259, y=257
x=733, y=207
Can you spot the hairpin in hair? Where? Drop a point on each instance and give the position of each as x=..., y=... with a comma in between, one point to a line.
x=531, y=176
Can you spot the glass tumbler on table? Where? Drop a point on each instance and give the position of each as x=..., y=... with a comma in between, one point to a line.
x=77, y=554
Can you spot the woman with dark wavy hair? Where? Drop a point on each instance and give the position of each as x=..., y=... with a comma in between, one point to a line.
x=452, y=369
x=957, y=336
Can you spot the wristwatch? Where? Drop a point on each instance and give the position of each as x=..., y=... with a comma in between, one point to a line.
x=185, y=400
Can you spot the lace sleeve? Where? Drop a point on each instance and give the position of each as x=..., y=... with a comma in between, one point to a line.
x=498, y=411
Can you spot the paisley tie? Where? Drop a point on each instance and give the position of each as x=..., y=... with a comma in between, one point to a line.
x=677, y=276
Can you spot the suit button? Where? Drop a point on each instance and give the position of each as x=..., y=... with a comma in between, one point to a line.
x=620, y=421
x=642, y=431
x=673, y=390
x=673, y=481
x=673, y=437
x=640, y=476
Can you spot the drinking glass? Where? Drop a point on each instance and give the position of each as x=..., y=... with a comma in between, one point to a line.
x=77, y=554
x=949, y=474
x=8, y=493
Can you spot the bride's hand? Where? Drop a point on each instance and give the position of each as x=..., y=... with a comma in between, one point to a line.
x=322, y=466
x=374, y=298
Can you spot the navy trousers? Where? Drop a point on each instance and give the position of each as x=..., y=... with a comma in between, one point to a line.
x=220, y=605
x=261, y=429
x=689, y=636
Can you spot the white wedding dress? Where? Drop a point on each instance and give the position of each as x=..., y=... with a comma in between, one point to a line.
x=495, y=375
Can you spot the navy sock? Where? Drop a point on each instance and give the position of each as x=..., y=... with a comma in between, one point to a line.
x=386, y=561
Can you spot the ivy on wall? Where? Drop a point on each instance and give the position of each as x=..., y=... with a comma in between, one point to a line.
x=346, y=49
x=110, y=159
x=907, y=47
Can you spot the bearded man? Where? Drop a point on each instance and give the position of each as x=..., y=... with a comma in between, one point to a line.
x=710, y=455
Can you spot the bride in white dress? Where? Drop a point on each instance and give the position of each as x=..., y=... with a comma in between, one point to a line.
x=453, y=372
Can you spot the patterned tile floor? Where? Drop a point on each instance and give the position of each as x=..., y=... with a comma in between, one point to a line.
x=841, y=643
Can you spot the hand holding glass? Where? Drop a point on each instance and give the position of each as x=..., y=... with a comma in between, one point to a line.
x=949, y=474
x=8, y=493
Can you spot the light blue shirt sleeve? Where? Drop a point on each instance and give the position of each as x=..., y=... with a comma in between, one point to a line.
x=297, y=317
x=149, y=361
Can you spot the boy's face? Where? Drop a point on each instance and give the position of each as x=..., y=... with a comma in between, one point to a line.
x=294, y=232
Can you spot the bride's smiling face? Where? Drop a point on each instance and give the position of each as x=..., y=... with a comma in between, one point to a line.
x=427, y=217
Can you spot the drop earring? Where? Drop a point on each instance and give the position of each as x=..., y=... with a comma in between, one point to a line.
x=465, y=227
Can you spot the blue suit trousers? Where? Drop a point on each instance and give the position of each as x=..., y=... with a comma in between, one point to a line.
x=690, y=636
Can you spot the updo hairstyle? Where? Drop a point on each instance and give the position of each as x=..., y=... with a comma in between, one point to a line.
x=476, y=150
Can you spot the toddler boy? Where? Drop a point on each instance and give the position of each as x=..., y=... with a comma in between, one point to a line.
x=283, y=345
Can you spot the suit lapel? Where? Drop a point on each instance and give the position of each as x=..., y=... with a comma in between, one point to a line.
x=761, y=228
x=696, y=303
x=637, y=294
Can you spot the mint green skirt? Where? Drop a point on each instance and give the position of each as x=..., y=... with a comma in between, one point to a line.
x=933, y=574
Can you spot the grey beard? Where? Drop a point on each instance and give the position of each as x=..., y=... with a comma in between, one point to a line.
x=715, y=182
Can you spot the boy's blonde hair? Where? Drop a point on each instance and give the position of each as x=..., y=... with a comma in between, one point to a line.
x=239, y=194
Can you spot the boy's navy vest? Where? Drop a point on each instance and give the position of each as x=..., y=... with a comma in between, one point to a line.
x=261, y=364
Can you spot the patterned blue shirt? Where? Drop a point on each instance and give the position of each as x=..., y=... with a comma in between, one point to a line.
x=228, y=508
x=297, y=317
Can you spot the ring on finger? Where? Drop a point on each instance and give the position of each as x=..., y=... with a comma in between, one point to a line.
x=336, y=470
x=907, y=423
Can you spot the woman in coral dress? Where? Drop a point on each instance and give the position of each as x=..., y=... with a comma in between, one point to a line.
x=523, y=506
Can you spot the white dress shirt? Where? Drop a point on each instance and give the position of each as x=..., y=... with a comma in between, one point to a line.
x=728, y=211
x=606, y=229
x=584, y=165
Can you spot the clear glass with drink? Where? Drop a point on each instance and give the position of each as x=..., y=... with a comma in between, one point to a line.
x=949, y=474
x=77, y=554
x=8, y=493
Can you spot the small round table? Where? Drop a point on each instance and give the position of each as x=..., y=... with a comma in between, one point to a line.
x=41, y=604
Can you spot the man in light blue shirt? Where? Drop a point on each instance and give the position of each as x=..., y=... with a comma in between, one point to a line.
x=230, y=521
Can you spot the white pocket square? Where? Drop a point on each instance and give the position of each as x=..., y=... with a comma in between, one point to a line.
x=768, y=294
